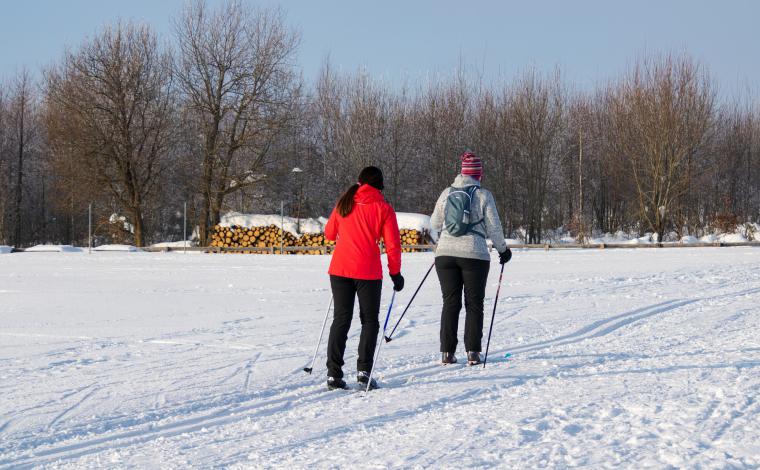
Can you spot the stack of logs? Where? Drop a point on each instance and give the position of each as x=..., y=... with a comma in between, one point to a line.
x=264, y=237
x=413, y=237
x=269, y=237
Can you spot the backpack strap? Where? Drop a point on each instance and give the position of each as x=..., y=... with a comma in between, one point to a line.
x=471, y=192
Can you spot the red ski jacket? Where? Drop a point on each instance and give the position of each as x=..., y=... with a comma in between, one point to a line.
x=357, y=254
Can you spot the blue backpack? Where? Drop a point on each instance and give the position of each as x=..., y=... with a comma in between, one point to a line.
x=457, y=218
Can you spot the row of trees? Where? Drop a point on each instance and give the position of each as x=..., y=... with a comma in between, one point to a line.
x=220, y=117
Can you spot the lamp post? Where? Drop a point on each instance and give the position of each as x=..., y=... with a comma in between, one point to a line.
x=298, y=172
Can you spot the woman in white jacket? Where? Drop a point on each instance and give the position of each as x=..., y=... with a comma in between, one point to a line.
x=462, y=259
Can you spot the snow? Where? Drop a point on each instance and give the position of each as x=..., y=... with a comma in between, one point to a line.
x=623, y=238
x=258, y=220
x=411, y=221
x=54, y=248
x=116, y=218
x=406, y=220
x=646, y=239
x=127, y=248
x=620, y=358
x=5, y=249
x=179, y=244
x=732, y=238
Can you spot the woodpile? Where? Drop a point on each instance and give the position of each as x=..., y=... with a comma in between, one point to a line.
x=413, y=237
x=267, y=239
x=269, y=236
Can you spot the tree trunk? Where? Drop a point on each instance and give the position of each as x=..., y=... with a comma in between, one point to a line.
x=203, y=222
x=138, y=227
x=20, y=173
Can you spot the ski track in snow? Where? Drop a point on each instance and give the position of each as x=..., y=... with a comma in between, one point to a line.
x=632, y=358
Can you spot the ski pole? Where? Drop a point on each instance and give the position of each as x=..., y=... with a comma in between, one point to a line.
x=390, y=337
x=493, y=315
x=377, y=353
x=319, y=341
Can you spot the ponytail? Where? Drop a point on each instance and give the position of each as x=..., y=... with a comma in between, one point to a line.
x=346, y=201
x=370, y=175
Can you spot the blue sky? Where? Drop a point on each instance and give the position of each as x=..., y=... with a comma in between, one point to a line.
x=411, y=40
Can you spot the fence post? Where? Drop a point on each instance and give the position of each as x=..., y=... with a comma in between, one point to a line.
x=184, y=224
x=282, y=227
x=89, y=229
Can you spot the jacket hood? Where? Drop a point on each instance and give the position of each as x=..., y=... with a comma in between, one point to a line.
x=462, y=181
x=367, y=194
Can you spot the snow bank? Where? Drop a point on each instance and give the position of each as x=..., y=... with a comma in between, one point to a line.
x=5, y=249
x=723, y=238
x=179, y=244
x=120, y=248
x=744, y=233
x=291, y=224
x=54, y=249
x=645, y=240
x=412, y=221
x=406, y=220
x=733, y=238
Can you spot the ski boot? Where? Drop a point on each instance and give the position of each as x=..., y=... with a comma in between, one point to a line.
x=363, y=377
x=448, y=358
x=473, y=358
x=334, y=383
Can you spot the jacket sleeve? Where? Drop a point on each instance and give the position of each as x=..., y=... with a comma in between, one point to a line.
x=436, y=220
x=493, y=224
x=331, y=228
x=392, y=239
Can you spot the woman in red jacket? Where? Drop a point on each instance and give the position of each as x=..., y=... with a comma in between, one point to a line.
x=361, y=218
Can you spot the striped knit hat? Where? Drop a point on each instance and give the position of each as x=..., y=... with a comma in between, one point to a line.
x=471, y=165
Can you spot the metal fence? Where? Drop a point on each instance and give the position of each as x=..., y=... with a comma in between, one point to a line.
x=543, y=246
x=324, y=250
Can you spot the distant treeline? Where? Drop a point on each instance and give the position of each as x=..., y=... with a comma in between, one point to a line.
x=218, y=116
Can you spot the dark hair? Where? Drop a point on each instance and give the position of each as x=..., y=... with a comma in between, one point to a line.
x=370, y=175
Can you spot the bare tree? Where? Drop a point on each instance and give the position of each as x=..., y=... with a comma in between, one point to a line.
x=238, y=82
x=652, y=151
x=22, y=115
x=536, y=115
x=4, y=172
x=401, y=152
x=664, y=113
x=18, y=148
x=112, y=98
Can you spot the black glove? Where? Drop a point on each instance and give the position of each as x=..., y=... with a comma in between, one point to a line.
x=505, y=256
x=398, y=282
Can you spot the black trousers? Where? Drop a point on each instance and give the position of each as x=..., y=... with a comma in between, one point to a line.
x=344, y=291
x=456, y=273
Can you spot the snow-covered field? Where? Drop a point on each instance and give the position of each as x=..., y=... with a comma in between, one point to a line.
x=624, y=358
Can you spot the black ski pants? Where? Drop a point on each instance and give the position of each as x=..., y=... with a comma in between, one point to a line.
x=456, y=273
x=344, y=291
